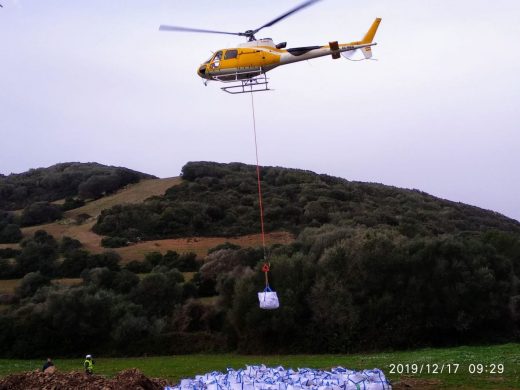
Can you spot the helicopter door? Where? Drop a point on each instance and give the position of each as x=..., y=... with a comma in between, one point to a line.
x=230, y=60
x=215, y=62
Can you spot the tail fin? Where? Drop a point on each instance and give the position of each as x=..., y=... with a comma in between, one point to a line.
x=353, y=55
x=367, y=52
x=369, y=36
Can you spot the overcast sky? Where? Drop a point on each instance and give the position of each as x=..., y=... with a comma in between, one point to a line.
x=439, y=111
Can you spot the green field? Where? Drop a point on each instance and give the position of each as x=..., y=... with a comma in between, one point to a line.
x=468, y=358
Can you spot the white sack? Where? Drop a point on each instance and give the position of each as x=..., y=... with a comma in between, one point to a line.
x=268, y=300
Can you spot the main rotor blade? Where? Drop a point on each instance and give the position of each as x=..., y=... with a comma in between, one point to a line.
x=163, y=27
x=298, y=8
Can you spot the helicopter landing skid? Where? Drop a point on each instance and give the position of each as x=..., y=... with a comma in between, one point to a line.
x=255, y=84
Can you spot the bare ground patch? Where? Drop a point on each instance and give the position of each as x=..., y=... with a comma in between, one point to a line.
x=198, y=245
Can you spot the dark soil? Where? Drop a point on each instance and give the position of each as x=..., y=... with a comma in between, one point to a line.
x=36, y=380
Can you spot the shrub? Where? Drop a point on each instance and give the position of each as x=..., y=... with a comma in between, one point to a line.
x=226, y=245
x=114, y=242
x=187, y=262
x=139, y=267
x=72, y=203
x=81, y=218
x=108, y=259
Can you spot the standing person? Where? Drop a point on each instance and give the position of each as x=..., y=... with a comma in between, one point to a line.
x=89, y=365
x=48, y=364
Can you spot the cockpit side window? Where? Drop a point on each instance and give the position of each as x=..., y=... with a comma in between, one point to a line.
x=215, y=63
x=230, y=54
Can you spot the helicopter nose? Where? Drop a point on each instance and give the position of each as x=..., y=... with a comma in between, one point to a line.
x=201, y=71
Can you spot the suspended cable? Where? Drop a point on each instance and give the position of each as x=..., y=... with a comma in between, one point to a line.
x=266, y=265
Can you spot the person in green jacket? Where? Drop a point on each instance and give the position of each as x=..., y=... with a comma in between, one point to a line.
x=89, y=365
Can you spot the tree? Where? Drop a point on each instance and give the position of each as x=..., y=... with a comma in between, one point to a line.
x=39, y=253
x=40, y=212
x=98, y=185
x=158, y=293
x=74, y=263
x=7, y=270
x=72, y=203
x=31, y=283
x=114, y=242
x=187, y=262
x=69, y=244
x=139, y=267
x=10, y=233
x=107, y=259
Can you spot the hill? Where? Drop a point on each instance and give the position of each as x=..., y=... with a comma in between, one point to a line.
x=357, y=266
x=87, y=180
x=78, y=223
x=42, y=195
x=221, y=199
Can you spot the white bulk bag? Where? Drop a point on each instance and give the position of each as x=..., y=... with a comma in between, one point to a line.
x=268, y=299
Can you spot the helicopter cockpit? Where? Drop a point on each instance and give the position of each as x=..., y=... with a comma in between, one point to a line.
x=216, y=60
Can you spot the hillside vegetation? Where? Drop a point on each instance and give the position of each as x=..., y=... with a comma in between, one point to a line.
x=221, y=199
x=29, y=198
x=87, y=180
x=370, y=267
x=77, y=224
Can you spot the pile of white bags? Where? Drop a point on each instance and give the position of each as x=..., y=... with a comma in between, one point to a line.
x=265, y=378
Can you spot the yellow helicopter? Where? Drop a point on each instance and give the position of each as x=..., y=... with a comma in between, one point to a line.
x=245, y=66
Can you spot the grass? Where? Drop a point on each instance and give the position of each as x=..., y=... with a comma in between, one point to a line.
x=174, y=368
x=133, y=193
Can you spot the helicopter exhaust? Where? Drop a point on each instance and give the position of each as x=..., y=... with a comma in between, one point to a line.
x=334, y=48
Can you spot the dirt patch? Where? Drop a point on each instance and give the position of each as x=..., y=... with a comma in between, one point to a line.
x=12, y=246
x=37, y=380
x=198, y=245
x=58, y=230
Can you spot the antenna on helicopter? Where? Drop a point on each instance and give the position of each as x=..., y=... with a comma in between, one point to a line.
x=249, y=34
